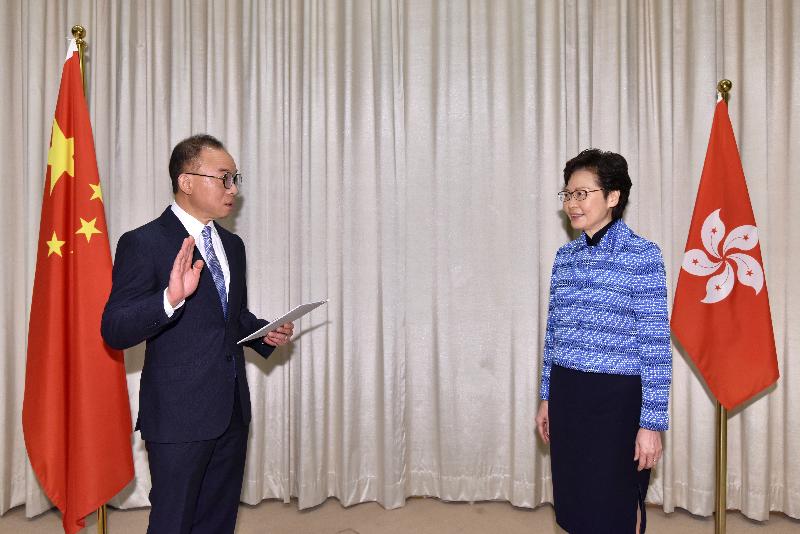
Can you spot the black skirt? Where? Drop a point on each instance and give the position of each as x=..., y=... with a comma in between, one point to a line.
x=594, y=418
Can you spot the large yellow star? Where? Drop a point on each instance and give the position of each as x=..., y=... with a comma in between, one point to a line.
x=87, y=229
x=97, y=192
x=60, y=155
x=54, y=245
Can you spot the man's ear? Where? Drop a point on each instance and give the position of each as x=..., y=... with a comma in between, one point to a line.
x=613, y=198
x=185, y=184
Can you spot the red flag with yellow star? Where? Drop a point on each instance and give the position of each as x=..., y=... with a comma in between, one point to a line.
x=75, y=416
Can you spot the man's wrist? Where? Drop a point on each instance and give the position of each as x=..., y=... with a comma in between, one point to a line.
x=170, y=308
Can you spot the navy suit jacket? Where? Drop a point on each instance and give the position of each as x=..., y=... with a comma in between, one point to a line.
x=192, y=362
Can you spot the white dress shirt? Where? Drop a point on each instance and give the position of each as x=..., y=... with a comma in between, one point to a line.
x=195, y=229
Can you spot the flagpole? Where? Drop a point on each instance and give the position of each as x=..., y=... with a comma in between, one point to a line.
x=722, y=469
x=102, y=520
x=721, y=505
x=79, y=32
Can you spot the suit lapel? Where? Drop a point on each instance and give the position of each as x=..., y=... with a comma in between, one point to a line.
x=175, y=233
x=173, y=228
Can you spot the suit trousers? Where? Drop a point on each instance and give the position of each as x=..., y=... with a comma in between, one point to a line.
x=196, y=486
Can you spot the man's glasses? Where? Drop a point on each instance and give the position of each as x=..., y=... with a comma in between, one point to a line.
x=228, y=179
x=578, y=194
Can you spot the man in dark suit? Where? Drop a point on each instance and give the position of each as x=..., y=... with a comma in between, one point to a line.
x=191, y=309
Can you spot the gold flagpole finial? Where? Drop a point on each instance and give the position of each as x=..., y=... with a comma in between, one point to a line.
x=724, y=89
x=79, y=32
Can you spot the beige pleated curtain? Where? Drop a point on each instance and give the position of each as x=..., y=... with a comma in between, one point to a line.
x=402, y=158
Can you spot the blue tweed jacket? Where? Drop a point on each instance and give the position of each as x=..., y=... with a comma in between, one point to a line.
x=608, y=314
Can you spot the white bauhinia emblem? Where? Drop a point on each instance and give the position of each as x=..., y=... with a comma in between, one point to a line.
x=748, y=270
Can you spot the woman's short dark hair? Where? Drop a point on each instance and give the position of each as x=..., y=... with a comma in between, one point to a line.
x=611, y=170
x=186, y=152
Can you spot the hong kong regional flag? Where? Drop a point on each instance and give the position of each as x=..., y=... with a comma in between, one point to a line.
x=75, y=415
x=721, y=312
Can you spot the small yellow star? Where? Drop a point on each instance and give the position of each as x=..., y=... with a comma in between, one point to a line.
x=60, y=155
x=54, y=245
x=97, y=192
x=87, y=229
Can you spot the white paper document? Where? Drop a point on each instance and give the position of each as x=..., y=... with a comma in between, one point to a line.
x=287, y=317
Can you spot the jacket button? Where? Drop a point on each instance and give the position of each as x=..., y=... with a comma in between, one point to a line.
x=229, y=357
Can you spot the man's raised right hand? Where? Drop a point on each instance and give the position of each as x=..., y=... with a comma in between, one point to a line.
x=184, y=277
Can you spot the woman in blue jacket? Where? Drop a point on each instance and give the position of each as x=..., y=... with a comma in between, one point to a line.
x=607, y=359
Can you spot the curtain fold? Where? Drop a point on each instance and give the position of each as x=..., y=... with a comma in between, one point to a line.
x=402, y=158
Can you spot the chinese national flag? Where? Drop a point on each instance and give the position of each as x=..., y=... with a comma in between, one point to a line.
x=75, y=415
x=721, y=312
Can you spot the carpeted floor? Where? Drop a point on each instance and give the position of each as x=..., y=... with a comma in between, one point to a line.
x=419, y=516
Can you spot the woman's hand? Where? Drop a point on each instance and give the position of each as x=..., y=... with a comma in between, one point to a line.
x=543, y=422
x=648, y=448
